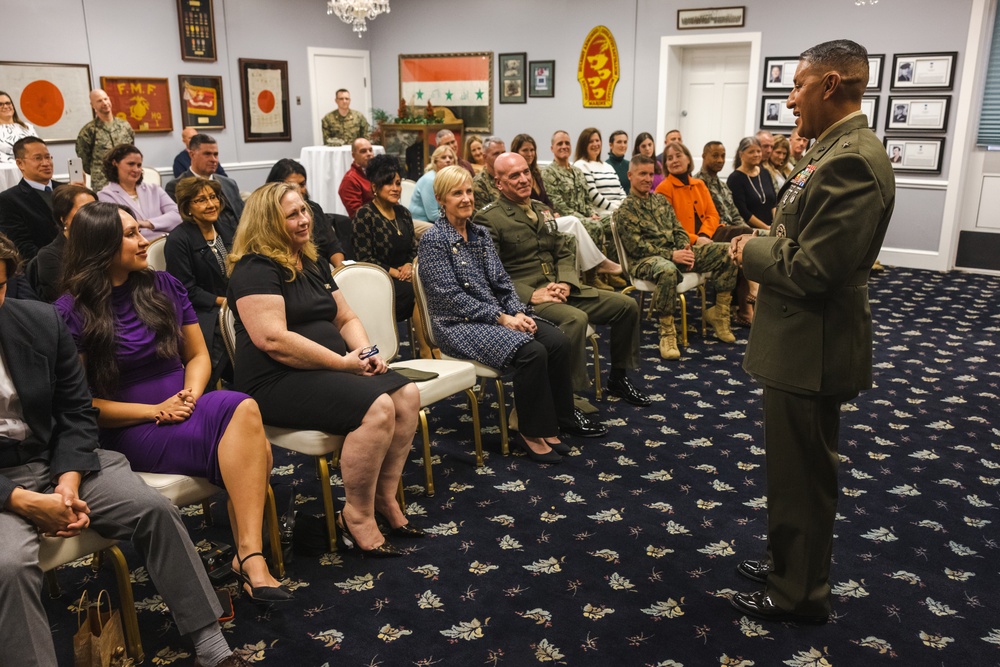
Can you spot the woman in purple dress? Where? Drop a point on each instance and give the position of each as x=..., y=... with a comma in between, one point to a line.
x=147, y=365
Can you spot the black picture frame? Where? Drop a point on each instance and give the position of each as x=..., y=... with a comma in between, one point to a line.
x=265, y=100
x=711, y=17
x=869, y=105
x=201, y=101
x=542, y=78
x=511, y=69
x=875, y=66
x=779, y=72
x=929, y=115
x=914, y=155
x=196, y=23
x=923, y=71
x=774, y=115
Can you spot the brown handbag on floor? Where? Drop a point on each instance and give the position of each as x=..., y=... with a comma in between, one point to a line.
x=99, y=640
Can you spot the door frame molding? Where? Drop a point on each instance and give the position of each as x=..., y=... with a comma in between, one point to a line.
x=671, y=52
x=318, y=110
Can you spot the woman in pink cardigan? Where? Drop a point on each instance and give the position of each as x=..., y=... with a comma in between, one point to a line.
x=155, y=211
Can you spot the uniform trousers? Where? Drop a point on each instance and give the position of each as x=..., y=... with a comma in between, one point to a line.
x=543, y=391
x=801, y=441
x=122, y=507
x=613, y=308
x=712, y=258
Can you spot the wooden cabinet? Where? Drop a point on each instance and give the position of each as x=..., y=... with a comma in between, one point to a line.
x=413, y=143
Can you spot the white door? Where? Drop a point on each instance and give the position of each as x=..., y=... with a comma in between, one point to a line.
x=333, y=69
x=712, y=100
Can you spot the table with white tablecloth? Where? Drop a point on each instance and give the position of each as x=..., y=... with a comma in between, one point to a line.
x=9, y=175
x=326, y=167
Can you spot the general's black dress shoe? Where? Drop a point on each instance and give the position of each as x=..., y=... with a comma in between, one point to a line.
x=623, y=388
x=754, y=570
x=759, y=606
x=583, y=427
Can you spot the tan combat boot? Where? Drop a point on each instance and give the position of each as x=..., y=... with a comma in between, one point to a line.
x=593, y=279
x=668, y=338
x=718, y=317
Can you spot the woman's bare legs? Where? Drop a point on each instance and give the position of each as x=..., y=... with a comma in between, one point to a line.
x=245, y=462
x=406, y=402
x=361, y=461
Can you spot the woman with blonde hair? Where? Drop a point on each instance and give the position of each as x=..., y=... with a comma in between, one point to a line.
x=423, y=206
x=777, y=163
x=304, y=355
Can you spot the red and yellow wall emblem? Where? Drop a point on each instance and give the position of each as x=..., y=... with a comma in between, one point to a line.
x=598, y=69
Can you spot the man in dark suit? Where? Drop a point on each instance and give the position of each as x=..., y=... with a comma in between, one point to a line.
x=26, y=209
x=205, y=163
x=182, y=162
x=811, y=341
x=54, y=479
x=542, y=264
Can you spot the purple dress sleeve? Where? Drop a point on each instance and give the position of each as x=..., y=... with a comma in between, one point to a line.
x=175, y=289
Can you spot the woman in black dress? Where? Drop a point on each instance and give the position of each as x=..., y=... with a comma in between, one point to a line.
x=383, y=231
x=45, y=270
x=753, y=192
x=305, y=356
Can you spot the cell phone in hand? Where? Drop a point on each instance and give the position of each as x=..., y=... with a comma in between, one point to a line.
x=75, y=170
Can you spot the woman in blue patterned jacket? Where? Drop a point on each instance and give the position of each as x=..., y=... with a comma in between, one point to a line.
x=476, y=314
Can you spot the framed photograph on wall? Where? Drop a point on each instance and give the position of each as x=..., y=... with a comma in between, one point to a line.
x=542, y=81
x=462, y=82
x=264, y=94
x=196, y=22
x=774, y=115
x=918, y=155
x=53, y=97
x=869, y=106
x=512, y=79
x=143, y=103
x=926, y=114
x=875, y=72
x=201, y=102
x=779, y=73
x=923, y=70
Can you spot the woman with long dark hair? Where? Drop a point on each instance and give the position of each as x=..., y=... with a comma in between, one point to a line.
x=45, y=270
x=147, y=366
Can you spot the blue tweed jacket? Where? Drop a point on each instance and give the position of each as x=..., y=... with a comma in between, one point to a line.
x=467, y=289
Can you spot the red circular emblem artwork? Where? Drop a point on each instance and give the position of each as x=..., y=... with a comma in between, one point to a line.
x=42, y=103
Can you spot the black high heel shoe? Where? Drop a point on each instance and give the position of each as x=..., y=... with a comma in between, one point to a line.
x=261, y=594
x=408, y=530
x=548, y=457
x=384, y=550
x=559, y=447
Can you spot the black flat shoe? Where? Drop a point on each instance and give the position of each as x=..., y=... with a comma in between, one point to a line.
x=548, y=457
x=759, y=606
x=408, y=530
x=261, y=594
x=582, y=426
x=559, y=447
x=623, y=388
x=384, y=550
x=754, y=570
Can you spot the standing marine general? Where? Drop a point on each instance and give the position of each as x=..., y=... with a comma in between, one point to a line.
x=659, y=249
x=542, y=263
x=811, y=341
x=99, y=136
x=343, y=125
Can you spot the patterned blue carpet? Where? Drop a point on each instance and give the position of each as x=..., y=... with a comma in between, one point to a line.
x=625, y=553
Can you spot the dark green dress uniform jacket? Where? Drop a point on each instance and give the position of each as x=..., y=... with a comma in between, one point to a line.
x=812, y=330
x=534, y=253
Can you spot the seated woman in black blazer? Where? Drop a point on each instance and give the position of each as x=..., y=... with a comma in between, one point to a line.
x=196, y=252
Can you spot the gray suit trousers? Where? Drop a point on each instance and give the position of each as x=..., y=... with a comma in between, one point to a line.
x=122, y=507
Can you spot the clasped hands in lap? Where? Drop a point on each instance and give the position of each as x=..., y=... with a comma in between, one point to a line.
x=61, y=513
x=551, y=293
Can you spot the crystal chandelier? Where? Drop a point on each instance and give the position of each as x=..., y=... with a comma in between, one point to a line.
x=862, y=3
x=356, y=13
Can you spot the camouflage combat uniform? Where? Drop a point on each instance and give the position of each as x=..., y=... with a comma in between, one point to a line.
x=343, y=130
x=650, y=232
x=722, y=197
x=484, y=189
x=567, y=190
x=96, y=139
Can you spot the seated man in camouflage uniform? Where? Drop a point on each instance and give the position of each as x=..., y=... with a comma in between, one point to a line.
x=659, y=250
x=343, y=125
x=567, y=189
x=541, y=263
x=484, y=187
